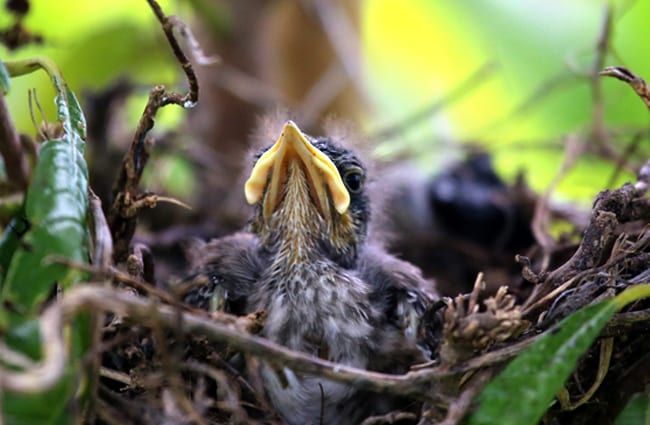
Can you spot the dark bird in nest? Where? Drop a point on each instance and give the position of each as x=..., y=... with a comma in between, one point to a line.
x=306, y=259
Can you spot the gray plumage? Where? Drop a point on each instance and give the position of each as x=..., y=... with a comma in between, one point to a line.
x=326, y=290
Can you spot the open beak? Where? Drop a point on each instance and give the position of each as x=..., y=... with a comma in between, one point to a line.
x=320, y=172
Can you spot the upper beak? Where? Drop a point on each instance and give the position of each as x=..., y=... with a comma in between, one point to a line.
x=320, y=171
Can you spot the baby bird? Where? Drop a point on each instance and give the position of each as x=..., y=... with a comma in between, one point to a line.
x=306, y=259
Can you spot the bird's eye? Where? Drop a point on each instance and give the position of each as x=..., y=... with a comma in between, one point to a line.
x=354, y=179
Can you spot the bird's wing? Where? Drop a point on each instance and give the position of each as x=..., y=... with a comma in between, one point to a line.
x=224, y=272
x=399, y=291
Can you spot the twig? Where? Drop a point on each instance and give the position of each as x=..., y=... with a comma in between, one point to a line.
x=119, y=276
x=45, y=130
x=14, y=358
x=637, y=83
x=602, y=47
x=247, y=87
x=480, y=76
x=93, y=297
x=232, y=402
x=536, y=98
x=344, y=39
x=621, y=205
x=187, y=100
x=216, y=359
x=110, y=414
x=623, y=159
x=606, y=348
x=194, y=46
x=530, y=307
x=102, y=255
x=102, y=240
x=127, y=199
x=574, y=147
x=321, y=94
x=169, y=361
x=150, y=201
x=624, y=320
x=460, y=407
x=116, y=376
x=390, y=418
x=14, y=158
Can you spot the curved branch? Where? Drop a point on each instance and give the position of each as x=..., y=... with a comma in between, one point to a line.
x=220, y=328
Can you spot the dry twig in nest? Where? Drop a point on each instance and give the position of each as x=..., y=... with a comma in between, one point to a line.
x=128, y=200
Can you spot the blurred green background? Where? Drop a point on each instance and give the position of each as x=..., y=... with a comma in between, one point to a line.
x=537, y=92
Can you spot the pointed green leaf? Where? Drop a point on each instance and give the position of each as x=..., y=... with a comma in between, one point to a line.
x=538, y=373
x=636, y=412
x=54, y=224
x=10, y=241
x=47, y=408
x=55, y=207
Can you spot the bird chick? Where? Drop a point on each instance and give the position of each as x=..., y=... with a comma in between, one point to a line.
x=307, y=261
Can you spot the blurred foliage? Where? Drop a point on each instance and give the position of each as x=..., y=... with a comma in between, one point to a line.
x=537, y=94
x=174, y=175
x=94, y=43
x=637, y=411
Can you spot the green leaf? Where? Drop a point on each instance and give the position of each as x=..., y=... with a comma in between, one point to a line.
x=538, y=373
x=10, y=241
x=53, y=224
x=4, y=78
x=636, y=412
x=39, y=409
x=25, y=338
x=54, y=406
x=55, y=207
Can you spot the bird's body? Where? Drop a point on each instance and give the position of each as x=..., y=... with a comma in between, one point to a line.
x=305, y=261
x=326, y=313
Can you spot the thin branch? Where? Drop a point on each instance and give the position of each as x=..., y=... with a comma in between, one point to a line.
x=637, y=83
x=479, y=76
x=390, y=418
x=12, y=152
x=92, y=297
x=189, y=99
x=169, y=367
x=602, y=48
x=14, y=358
x=230, y=398
x=606, y=348
x=198, y=56
x=127, y=200
x=102, y=240
x=119, y=276
x=574, y=147
x=321, y=94
x=529, y=306
x=116, y=376
x=623, y=160
x=536, y=98
x=622, y=205
x=461, y=406
x=626, y=319
x=247, y=87
x=344, y=39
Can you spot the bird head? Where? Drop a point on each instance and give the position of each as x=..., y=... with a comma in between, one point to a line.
x=310, y=198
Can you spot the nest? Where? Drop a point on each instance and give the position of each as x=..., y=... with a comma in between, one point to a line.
x=154, y=359
x=165, y=363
